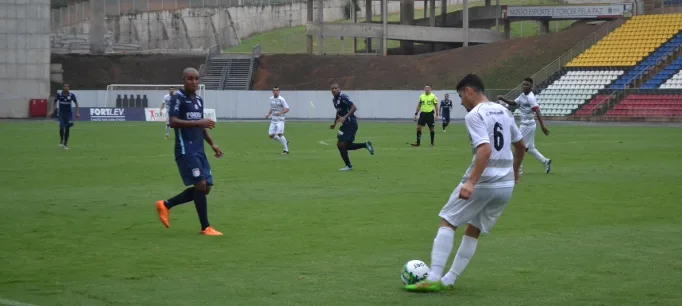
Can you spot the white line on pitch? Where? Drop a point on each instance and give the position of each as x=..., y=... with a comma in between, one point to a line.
x=323, y=143
x=13, y=303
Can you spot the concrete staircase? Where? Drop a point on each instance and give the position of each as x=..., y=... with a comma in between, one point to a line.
x=229, y=72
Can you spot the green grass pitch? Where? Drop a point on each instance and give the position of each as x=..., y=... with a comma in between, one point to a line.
x=78, y=227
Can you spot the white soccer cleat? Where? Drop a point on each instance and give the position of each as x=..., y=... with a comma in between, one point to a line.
x=65, y=147
x=346, y=168
x=61, y=145
x=548, y=166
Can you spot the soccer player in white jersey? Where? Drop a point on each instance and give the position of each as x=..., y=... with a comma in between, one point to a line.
x=485, y=189
x=278, y=107
x=166, y=101
x=529, y=108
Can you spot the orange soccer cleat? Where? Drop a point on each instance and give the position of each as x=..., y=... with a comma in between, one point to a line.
x=163, y=212
x=209, y=231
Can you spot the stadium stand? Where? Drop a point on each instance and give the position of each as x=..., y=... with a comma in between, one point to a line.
x=674, y=82
x=588, y=108
x=631, y=42
x=649, y=63
x=606, y=72
x=572, y=90
x=648, y=105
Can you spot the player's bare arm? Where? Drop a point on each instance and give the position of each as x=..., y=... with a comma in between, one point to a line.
x=416, y=111
x=163, y=105
x=207, y=137
x=482, y=156
x=353, y=108
x=542, y=122
x=54, y=108
x=78, y=113
x=176, y=122
x=268, y=114
x=519, y=152
x=505, y=100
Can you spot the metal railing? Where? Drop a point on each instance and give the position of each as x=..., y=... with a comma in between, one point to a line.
x=556, y=65
x=211, y=51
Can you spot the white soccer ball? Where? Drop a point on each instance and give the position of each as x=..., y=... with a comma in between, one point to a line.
x=414, y=271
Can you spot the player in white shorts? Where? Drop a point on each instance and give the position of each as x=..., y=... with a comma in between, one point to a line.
x=529, y=108
x=485, y=189
x=278, y=107
x=166, y=101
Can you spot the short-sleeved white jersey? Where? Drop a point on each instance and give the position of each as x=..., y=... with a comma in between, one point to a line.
x=492, y=123
x=277, y=105
x=526, y=104
x=166, y=100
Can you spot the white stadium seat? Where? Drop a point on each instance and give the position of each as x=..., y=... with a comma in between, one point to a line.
x=574, y=89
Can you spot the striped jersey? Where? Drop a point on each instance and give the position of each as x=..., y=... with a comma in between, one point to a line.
x=526, y=104
x=278, y=105
x=492, y=123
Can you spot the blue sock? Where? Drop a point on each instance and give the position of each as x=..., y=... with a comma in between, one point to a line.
x=202, y=208
x=186, y=196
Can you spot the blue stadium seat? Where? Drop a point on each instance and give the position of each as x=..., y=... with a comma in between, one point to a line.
x=650, y=62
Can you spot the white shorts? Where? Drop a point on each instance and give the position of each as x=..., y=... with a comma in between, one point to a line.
x=481, y=210
x=528, y=135
x=276, y=127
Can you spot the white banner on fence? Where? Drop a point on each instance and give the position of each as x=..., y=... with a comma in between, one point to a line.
x=569, y=11
x=156, y=115
x=304, y=104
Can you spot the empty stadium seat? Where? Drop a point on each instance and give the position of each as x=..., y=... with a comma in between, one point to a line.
x=631, y=42
x=573, y=89
x=589, y=108
x=648, y=105
x=649, y=64
x=674, y=82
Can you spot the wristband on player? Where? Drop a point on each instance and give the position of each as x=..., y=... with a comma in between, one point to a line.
x=416, y=113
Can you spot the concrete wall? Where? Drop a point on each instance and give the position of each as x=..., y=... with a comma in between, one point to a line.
x=194, y=28
x=237, y=104
x=24, y=55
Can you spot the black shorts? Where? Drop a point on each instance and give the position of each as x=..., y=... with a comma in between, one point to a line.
x=426, y=119
x=347, y=132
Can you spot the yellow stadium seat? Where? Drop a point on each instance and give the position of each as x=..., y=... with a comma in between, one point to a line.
x=631, y=42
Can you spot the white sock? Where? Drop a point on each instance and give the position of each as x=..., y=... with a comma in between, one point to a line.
x=466, y=250
x=167, y=130
x=442, y=246
x=276, y=138
x=537, y=155
x=284, y=143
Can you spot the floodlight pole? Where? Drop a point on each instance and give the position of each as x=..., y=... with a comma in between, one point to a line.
x=384, y=17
